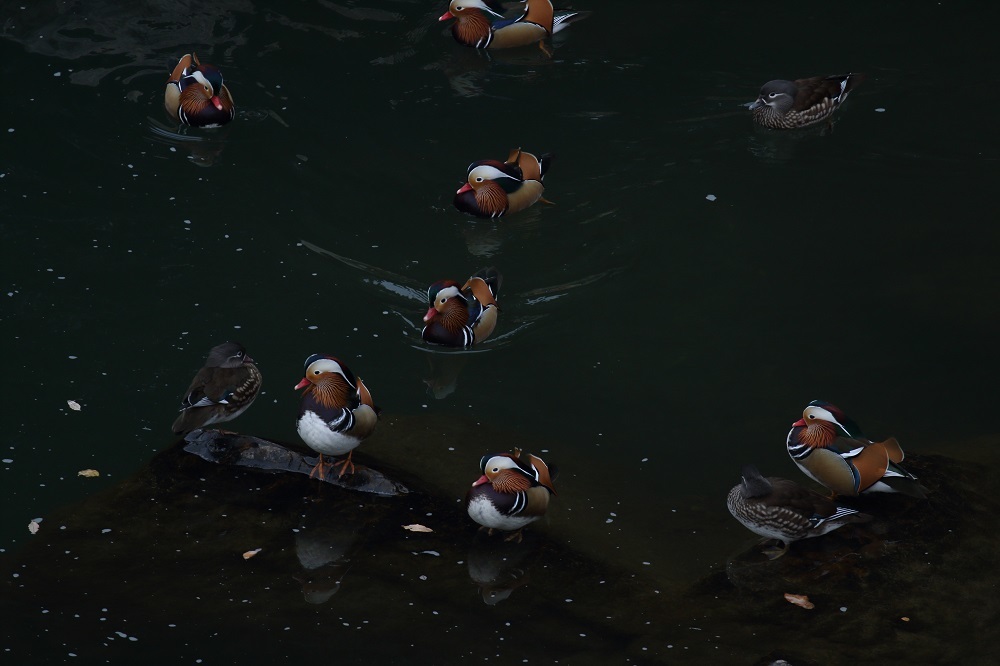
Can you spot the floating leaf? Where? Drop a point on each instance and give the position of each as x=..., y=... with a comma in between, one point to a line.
x=33, y=527
x=905, y=619
x=416, y=527
x=74, y=405
x=250, y=553
x=90, y=473
x=799, y=600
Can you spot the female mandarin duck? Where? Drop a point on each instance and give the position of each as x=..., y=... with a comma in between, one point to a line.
x=513, y=491
x=222, y=390
x=461, y=316
x=495, y=188
x=781, y=509
x=337, y=412
x=472, y=26
x=196, y=95
x=830, y=449
x=803, y=102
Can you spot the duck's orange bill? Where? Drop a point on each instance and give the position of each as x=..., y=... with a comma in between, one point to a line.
x=446, y=16
x=431, y=312
x=480, y=481
x=302, y=384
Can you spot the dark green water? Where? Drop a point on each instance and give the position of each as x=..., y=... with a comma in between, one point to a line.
x=651, y=341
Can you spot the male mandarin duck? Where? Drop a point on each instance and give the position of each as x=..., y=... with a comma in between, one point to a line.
x=473, y=26
x=830, y=449
x=803, y=102
x=494, y=188
x=337, y=412
x=221, y=391
x=513, y=491
x=196, y=95
x=460, y=316
x=781, y=509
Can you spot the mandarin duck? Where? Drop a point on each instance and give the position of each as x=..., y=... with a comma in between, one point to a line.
x=494, y=188
x=337, y=412
x=196, y=96
x=803, y=102
x=481, y=23
x=513, y=491
x=830, y=449
x=459, y=316
x=221, y=391
x=780, y=509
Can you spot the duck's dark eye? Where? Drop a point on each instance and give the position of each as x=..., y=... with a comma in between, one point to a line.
x=315, y=372
x=496, y=469
x=479, y=179
x=773, y=95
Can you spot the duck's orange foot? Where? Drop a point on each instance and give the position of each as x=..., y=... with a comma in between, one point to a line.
x=516, y=537
x=344, y=465
x=319, y=470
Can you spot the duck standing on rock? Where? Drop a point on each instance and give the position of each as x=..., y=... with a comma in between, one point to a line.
x=781, y=509
x=337, y=412
x=222, y=390
x=830, y=449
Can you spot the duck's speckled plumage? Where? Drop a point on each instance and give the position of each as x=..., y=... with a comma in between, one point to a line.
x=804, y=102
x=222, y=390
x=780, y=509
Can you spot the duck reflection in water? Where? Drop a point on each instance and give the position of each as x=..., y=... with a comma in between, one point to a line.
x=500, y=567
x=444, y=371
x=324, y=554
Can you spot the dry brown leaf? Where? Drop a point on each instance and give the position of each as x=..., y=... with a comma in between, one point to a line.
x=250, y=553
x=799, y=600
x=33, y=527
x=416, y=527
x=74, y=405
x=905, y=619
x=90, y=473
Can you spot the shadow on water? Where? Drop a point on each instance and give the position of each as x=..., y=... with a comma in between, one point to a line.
x=180, y=559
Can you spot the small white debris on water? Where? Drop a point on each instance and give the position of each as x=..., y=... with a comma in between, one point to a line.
x=880, y=110
x=711, y=197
